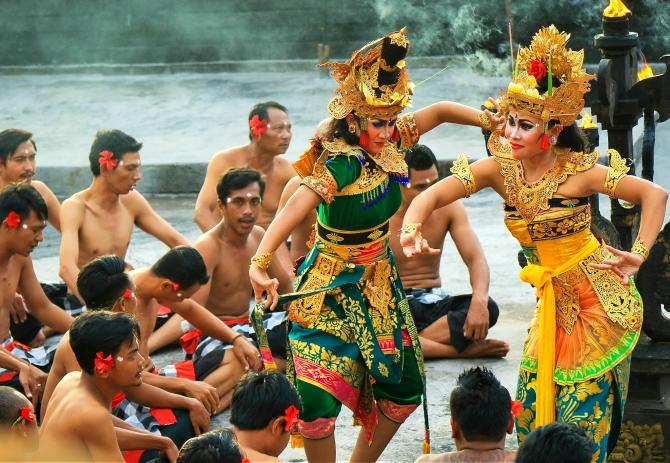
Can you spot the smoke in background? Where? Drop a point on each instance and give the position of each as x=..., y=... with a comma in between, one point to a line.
x=160, y=31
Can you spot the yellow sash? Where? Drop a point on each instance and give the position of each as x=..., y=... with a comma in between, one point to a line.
x=540, y=277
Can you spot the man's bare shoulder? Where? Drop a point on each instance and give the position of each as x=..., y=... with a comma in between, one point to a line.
x=76, y=201
x=284, y=167
x=41, y=187
x=208, y=242
x=133, y=199
x=229, y=157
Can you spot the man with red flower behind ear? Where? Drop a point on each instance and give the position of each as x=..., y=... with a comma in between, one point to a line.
x=99, y=220
x=17, y=425
x=23, y=215
x=269, y=138
x=77, y=423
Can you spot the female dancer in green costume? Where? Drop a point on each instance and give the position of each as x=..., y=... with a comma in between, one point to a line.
x=352, y=339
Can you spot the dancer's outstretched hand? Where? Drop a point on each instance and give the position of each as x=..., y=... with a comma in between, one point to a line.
x=413, y=243
x=262, y=283
x=625, y=264
x=497, y=119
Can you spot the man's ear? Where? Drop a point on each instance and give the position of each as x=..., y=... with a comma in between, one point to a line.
x=455, y=431
x=277, y=426
x=510, y=424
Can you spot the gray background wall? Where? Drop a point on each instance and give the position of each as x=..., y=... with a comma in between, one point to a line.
x=169, y=31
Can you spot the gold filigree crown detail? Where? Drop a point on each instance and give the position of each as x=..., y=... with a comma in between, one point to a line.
x=361, y=87
x=548, y=57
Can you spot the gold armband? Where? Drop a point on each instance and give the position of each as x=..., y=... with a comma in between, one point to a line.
x=461, y=170
x=262, y=261
x=639, y=248
x=484, y=121
x=615, y=172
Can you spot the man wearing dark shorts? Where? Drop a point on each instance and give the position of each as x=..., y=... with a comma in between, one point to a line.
x=449, y=326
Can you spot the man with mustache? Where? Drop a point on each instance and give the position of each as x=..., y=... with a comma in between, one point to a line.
x=227, y=250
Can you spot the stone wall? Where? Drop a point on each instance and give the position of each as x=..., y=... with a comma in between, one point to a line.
x=169, y=31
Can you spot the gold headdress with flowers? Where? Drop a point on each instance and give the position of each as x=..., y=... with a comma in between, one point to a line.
x=548, y=58
x=374, y=82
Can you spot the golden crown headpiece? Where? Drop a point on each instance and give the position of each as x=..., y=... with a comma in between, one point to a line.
x=548, y=58
x=374, y=82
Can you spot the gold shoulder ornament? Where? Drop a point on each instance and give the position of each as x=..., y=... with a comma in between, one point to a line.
x=461, y=170
x=615, y=172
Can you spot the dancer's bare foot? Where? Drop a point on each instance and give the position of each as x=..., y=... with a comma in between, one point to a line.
x=486, y=348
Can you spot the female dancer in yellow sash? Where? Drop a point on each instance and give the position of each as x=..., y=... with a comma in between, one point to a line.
x=575, y=362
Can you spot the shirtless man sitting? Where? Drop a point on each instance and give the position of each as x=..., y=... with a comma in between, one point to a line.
x=99, y=220
x=17, y=165
x=172, y=281
x=449, y=326
x=269, y=138
x=23, y=215
x=104, y=285
x=107, y=349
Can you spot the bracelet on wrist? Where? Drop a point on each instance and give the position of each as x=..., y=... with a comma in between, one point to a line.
x=409, y=228
x=639, y=248
x=484, y=121
x=262, y=261
x=232, y=341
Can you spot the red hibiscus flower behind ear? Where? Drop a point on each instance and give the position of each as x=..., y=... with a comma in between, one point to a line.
x=291, y=417
x=107, y=161
x=27, y=414
x=537, y=69
x=103, y=363
x=517, y=407
x=258, y=126
x=175, y=286
x=13, y=220
x=127, y=294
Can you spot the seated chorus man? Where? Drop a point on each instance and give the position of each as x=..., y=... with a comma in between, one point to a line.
x=556, y=443
x=171, y=281
x=482, y=412
x=227, y=294
x=17, y=165
x=269, y=138
x=264, y=411
x=18, y=426
x=218, y=446
x=449, y=326
x=23, y=215
x=78, y=425
x=99, y=220
x=103, y=284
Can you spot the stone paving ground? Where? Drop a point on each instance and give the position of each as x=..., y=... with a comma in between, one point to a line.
x=186, y=117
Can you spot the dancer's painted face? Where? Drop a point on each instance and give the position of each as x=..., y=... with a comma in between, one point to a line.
x=379, y=132
x=524, y=132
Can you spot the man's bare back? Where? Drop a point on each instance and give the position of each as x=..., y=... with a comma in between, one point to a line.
x=84, y=412
x=229, y=287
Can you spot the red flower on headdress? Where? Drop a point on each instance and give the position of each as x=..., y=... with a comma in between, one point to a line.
x=13, y=220
x=245, y=460
x=537, y=69
x=291, y=417
x=27, y=415
x=517, y=407
x=107, y=161
x=103, y=363
x=258, y=126
x=127, y=294
x=175, y=286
